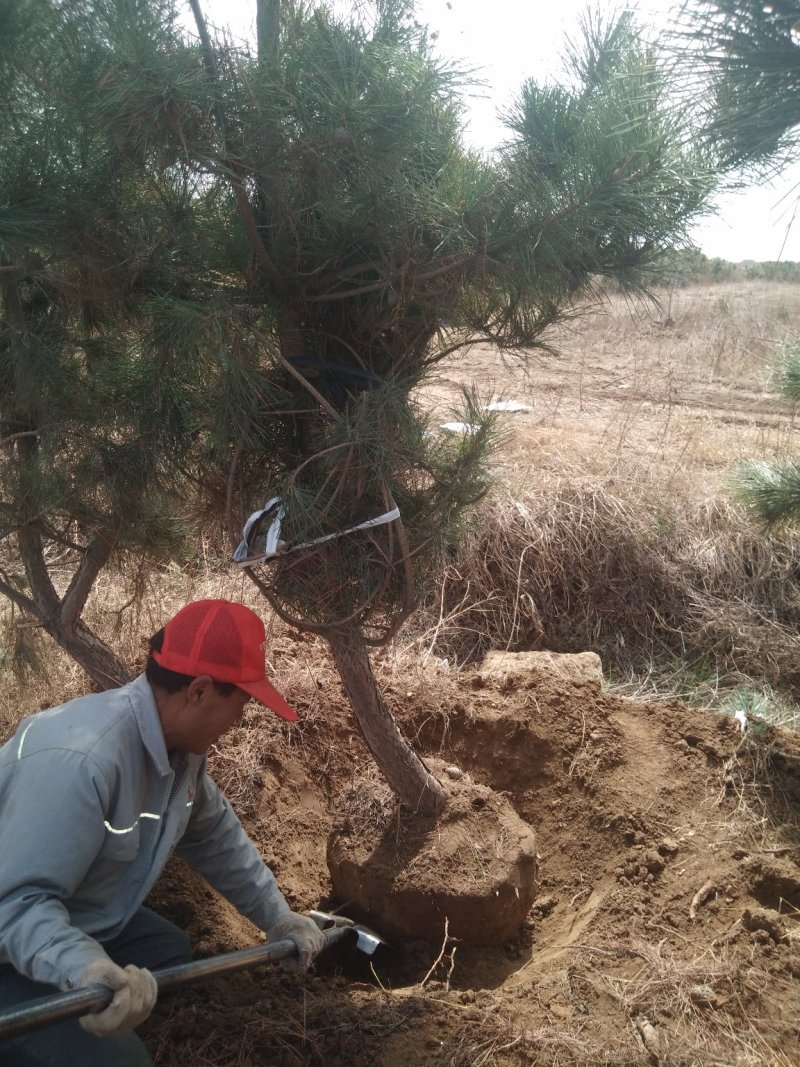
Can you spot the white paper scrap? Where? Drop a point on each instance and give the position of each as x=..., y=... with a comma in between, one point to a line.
x=508, y=405
x=459, y=427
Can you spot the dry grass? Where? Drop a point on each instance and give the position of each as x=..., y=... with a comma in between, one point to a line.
x=368, y=806
x=639, y=581
x=237, y=764
x=697, y=1007
x=613, y=525
x=244, y=1041
x=632, y=402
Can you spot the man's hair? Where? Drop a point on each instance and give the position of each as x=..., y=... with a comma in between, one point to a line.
x=171, y=681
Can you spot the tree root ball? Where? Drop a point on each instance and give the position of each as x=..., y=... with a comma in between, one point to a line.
x=474, y=865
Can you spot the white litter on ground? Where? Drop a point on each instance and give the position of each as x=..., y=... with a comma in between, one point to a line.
x=509, y=405
x=459, y=427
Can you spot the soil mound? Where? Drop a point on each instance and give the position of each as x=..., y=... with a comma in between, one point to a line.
x=665, y=928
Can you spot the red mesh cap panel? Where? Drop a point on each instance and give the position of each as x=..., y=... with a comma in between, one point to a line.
x=222, y=642
x=225, y=641
x=181, y=633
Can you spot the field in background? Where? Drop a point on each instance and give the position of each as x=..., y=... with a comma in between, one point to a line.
x=642, y=394
x=614, y=525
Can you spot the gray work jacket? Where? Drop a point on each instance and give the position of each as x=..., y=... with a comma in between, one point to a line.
x=87, y=823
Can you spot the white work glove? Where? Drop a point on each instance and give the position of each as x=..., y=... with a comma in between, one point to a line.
x=306, y=935
x=135, y=994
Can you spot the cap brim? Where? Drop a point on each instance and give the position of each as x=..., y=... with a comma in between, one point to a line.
x=269, y=696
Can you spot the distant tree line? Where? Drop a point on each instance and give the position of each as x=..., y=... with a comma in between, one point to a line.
x=686, y=267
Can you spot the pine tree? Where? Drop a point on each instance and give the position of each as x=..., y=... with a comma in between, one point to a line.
x=81, y=473
x=771, y=488
x=749, y=56
x=285, y=244
x=745, y=58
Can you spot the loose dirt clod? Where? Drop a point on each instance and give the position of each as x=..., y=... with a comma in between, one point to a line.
x=650, y=1037
x=704, y=893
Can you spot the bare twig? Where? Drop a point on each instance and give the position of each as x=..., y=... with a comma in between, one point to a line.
x=440, y=957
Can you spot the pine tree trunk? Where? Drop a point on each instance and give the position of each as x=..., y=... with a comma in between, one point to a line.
x=89, y=652
x=60, y=616
x=416, y=788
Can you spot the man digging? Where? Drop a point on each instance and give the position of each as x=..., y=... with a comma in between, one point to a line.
x=95, y=796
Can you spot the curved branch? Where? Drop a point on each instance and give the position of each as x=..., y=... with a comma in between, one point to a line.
x=42, y=588
x=17, y=436
x=95, y=557
x=19, y=599
x=295, y=373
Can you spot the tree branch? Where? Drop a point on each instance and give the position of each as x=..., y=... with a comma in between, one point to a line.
x=42, y=588
x=460, y=264
x=95, y=557
x=236, y=177
x=19, y=599
x=209, y=59
x=16, y=436
x=267, y=27
x=295, y=373
x=250, y=225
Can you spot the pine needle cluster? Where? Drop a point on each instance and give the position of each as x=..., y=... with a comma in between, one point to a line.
x=750, y=55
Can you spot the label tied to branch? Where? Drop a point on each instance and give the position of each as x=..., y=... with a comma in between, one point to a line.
x=258, y=544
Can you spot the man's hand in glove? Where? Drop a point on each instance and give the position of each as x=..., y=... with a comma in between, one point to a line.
x=135, y=994
x=306, y=935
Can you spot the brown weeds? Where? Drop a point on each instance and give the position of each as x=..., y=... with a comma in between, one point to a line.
x=697, y=1007
x=638, y=579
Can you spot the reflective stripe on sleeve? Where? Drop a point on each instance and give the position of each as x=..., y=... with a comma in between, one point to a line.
x=22, y=740
x=128, y=829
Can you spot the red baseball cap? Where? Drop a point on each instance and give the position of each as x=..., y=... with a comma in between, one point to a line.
x=225, y=641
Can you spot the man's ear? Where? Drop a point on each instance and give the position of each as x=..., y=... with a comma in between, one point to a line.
x=198, y=688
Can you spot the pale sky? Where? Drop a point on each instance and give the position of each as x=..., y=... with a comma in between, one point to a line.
x=507, y=41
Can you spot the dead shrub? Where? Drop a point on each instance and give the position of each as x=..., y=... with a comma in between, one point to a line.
x=639, y=580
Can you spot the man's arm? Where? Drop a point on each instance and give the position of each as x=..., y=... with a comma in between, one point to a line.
x=51, y=830
x=215, y=845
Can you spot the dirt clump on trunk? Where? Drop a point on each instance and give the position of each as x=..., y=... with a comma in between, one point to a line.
x=469, y=872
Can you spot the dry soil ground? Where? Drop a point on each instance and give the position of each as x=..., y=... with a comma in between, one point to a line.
x=666, y=928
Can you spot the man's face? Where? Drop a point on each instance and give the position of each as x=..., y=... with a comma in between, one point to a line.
x=209, y=715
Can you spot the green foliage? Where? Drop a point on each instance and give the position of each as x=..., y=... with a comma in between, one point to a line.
x=224, y=274
x=750, y=54
x=772, y=488
x=783, y=271
x=761, y=703
x=788, y=371
x=681, y=267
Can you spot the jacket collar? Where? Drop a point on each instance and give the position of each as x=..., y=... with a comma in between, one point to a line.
x=149, y=722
